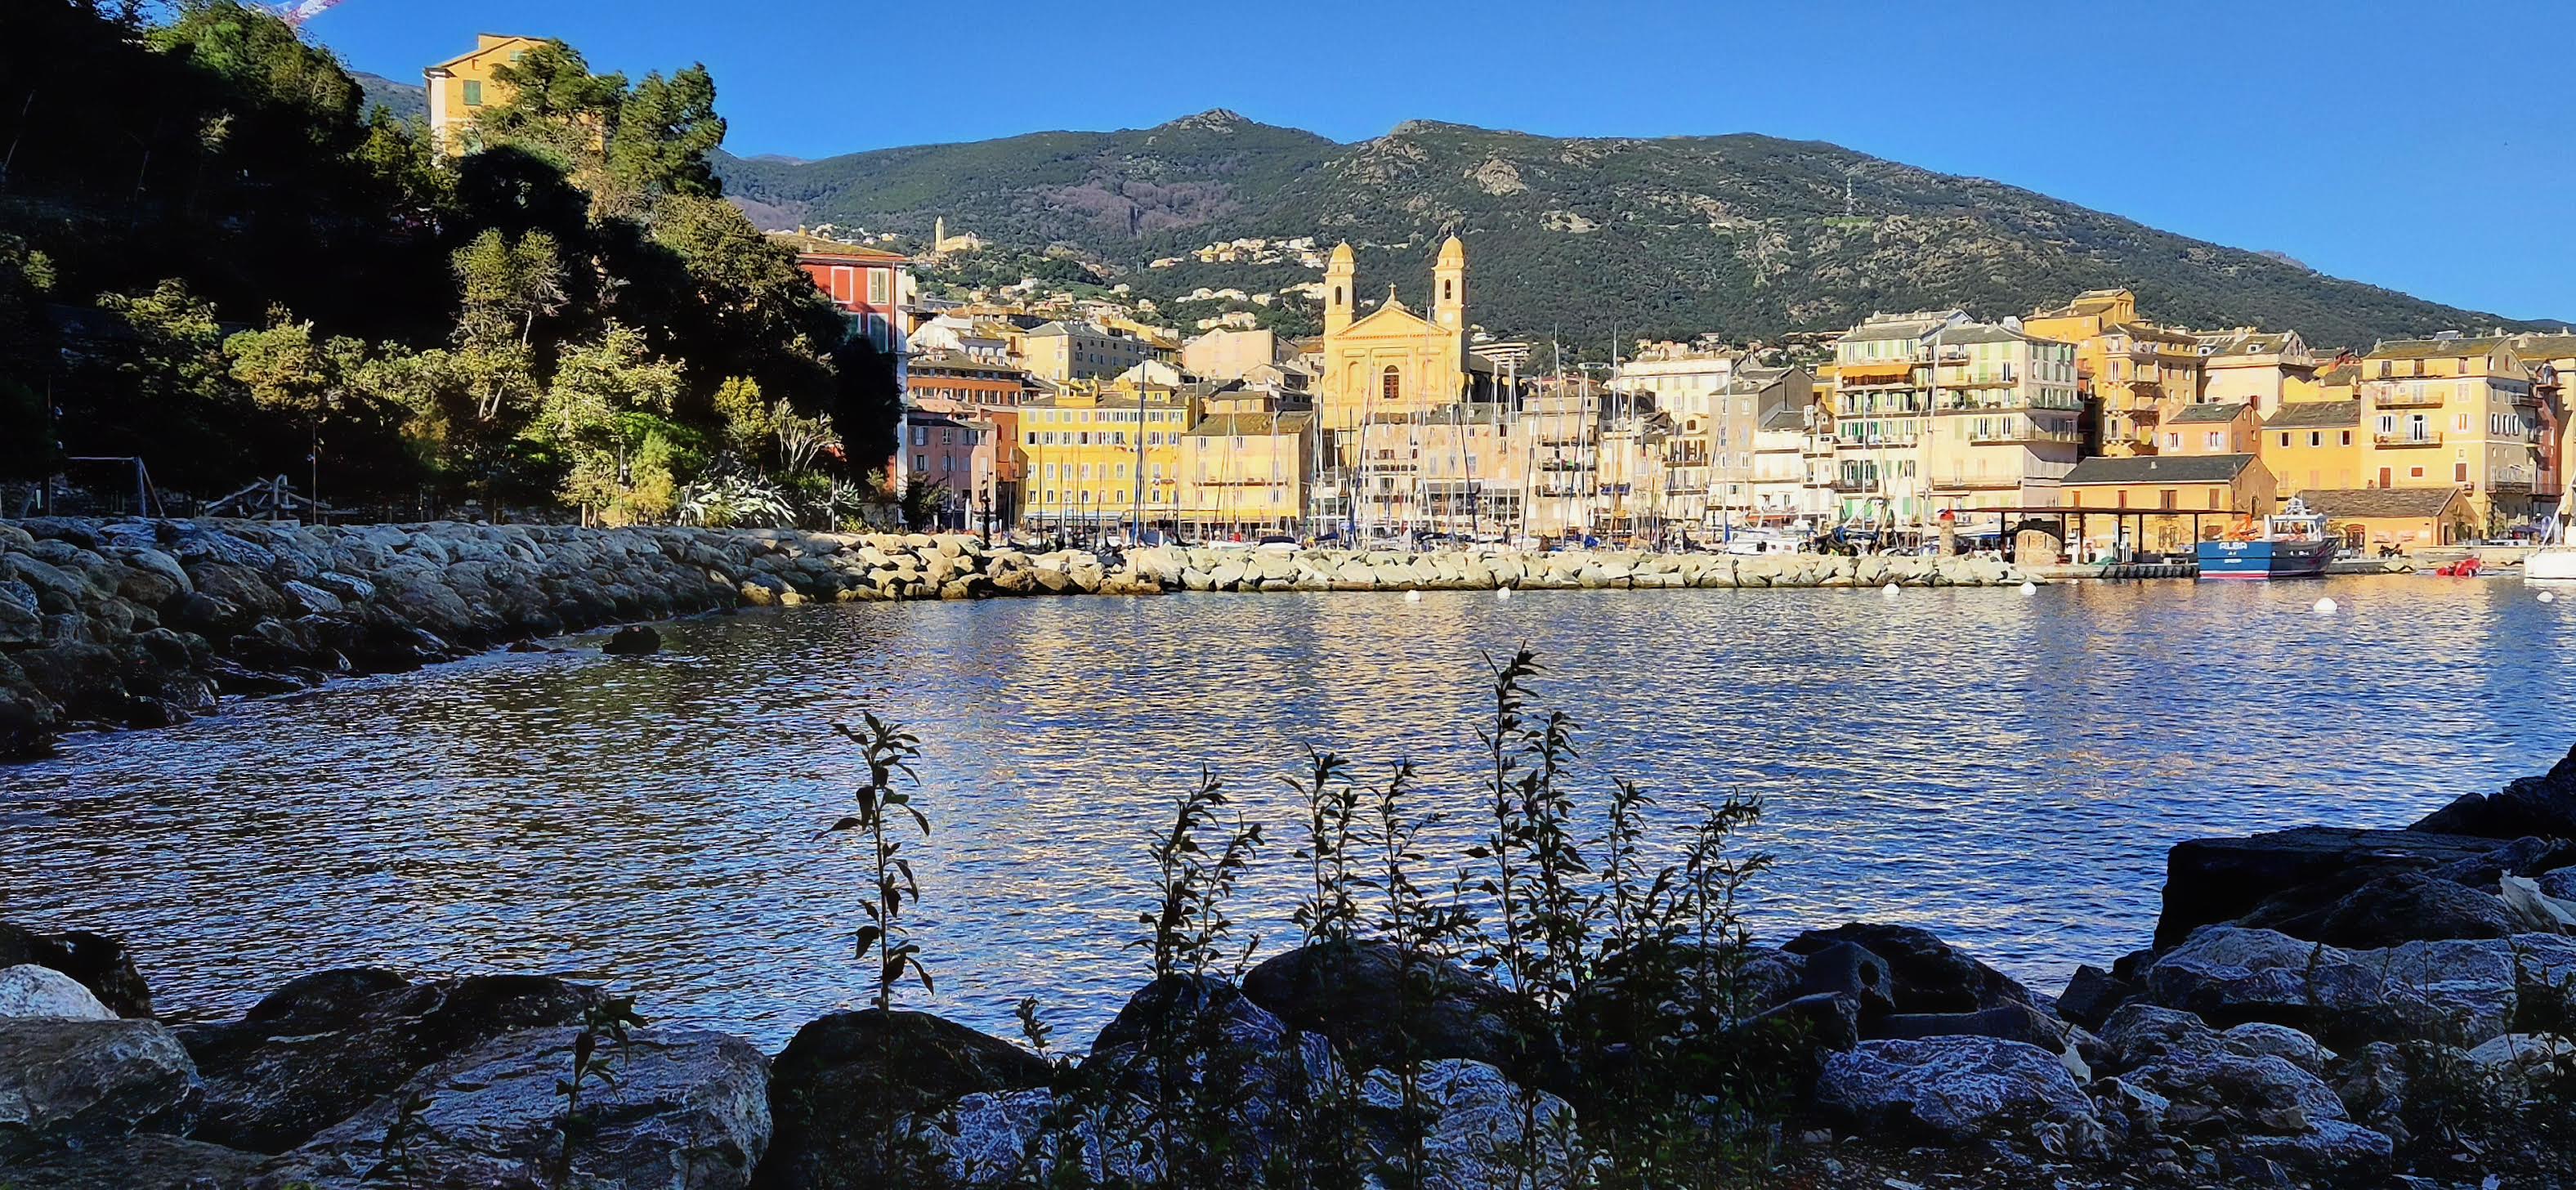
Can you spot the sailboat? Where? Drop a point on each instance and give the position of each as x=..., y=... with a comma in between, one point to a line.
x=2554, y=562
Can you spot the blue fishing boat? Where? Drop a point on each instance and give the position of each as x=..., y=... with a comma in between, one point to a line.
x=2293, y=544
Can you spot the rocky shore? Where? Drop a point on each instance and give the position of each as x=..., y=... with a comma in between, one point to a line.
x=138, y=623
x=2319, y=1007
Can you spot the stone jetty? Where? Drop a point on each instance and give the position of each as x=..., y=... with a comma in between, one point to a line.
x=2326, y=1007
x=136, y=623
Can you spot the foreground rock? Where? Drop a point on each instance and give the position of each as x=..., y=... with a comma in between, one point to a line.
x=687, y=1110
x=325, y=1046
x=70, y=1083
x=845, y=1079
x=96, y=961
x=1953, y=1090
x=2208, y=881
x=28, y=990
x=1350, y=992
x=140, y=1162
x=2544, y=805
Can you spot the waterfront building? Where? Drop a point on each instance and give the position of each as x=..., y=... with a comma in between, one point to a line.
x=1246, y=473
x=1458, y=471
x=1934, y=412
x=1230, y=354
x=2371, y=519
x=2130, y=371
x=2257, y=367
x=2315, y=446
x=1097, y=454
x=872, y=288
x=1062, y=351
x=2227, y=429
x=2006, y=422
x=1793, y=454
x=462, y=88
x=985, y=397
x=1394, y=362
x=1708, y=455
x=1882, y=400
x=2457, y=412
x=2552, y=360
x=2167, y=504
x=941, y=449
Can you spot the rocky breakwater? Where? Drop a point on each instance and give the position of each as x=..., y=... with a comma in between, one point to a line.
x=136, y=623
x=1236, y=569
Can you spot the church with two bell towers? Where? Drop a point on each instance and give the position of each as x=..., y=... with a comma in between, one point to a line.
x=1393, y=364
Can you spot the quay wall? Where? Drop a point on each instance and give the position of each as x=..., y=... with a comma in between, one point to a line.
x=139, y=623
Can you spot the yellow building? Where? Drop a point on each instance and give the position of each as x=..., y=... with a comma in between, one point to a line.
x=1246, y=472
x=2461, y=413
x=2259, y=368
x=1395, y=363
x=2370, y=520
x=1063, y=352
x=462, y=87
x=2134, y=370
x=2227, y=429
x=2165, y=504
x=2316, y=446
x=1097, y=455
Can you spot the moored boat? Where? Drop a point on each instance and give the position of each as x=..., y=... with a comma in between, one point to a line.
x=2292, y=544
x=2554, y=562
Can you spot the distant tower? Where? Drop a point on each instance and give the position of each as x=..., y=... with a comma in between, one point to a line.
x=1449, y=286
x=1338, y=275
x=938, y=235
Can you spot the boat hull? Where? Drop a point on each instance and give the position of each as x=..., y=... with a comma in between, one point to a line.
x=2257, y=561
x=2553, y=564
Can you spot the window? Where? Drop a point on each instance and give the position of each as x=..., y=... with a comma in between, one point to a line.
x=2217, y=499
x=2285, y=440
x=2213, y=437
x=2315, y=438
x=2459, y=473
x=2414, y=473
x=921, y=463
x=920, y=435
x=2347, y=438
x=1390, y=384
x=473, y=93
x=2169, y=499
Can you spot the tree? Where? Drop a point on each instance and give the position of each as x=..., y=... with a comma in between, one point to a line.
x=155, y=384
x=607, y=413
x=27, y=447
x=867, y=403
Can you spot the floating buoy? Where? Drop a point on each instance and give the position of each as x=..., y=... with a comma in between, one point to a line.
x=2549, y=597
x=2029, y=588
x=2324, y=607
x=1889, y=589
x=1413, y=597
x=1502, y=593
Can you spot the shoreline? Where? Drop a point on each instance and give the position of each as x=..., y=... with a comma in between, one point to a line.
x=136, y=623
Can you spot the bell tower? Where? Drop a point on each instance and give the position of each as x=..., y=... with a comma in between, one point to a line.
x=1449, y=286
x=1339, y=273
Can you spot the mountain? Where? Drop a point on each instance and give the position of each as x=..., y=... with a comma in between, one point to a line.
x=407, y=101
x=1743, y=235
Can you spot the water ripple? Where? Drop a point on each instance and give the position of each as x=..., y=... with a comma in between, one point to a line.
x=2005, y=770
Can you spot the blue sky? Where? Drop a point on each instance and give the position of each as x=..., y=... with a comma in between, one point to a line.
x=2427, y=148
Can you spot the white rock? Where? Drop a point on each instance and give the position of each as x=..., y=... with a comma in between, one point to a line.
x=30, y=990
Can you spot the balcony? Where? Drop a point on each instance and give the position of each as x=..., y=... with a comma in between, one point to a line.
x=2023, y=434
x=2409, y=438
x=2393, y=397
x=1855, y=483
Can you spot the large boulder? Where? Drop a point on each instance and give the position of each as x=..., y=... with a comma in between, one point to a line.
x=1351, y=993
x=843, y=1079
x=1952, y=1090
x=1479, y=1127
x=30, y=990
x=142, y=1161
x=1930, y=975
x=2365, y=910
x=324, y=1046
x=2208, y=881
x=96, y=961
x=685, y=1109
x=68, y=1083
x=2544, y=805
x=2461, y=991
x=992, y=1140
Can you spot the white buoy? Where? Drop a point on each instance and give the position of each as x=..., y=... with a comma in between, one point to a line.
x=2325, y=607
x=1889, y=589
x=2029, y=588
x=1502, y=594
x=1413, y=597
x=2549, y=597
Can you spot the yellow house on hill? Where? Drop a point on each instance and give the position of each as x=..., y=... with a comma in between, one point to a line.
x=461, y=87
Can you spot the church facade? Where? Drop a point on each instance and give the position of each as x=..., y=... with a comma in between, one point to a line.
x=1394, y=364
